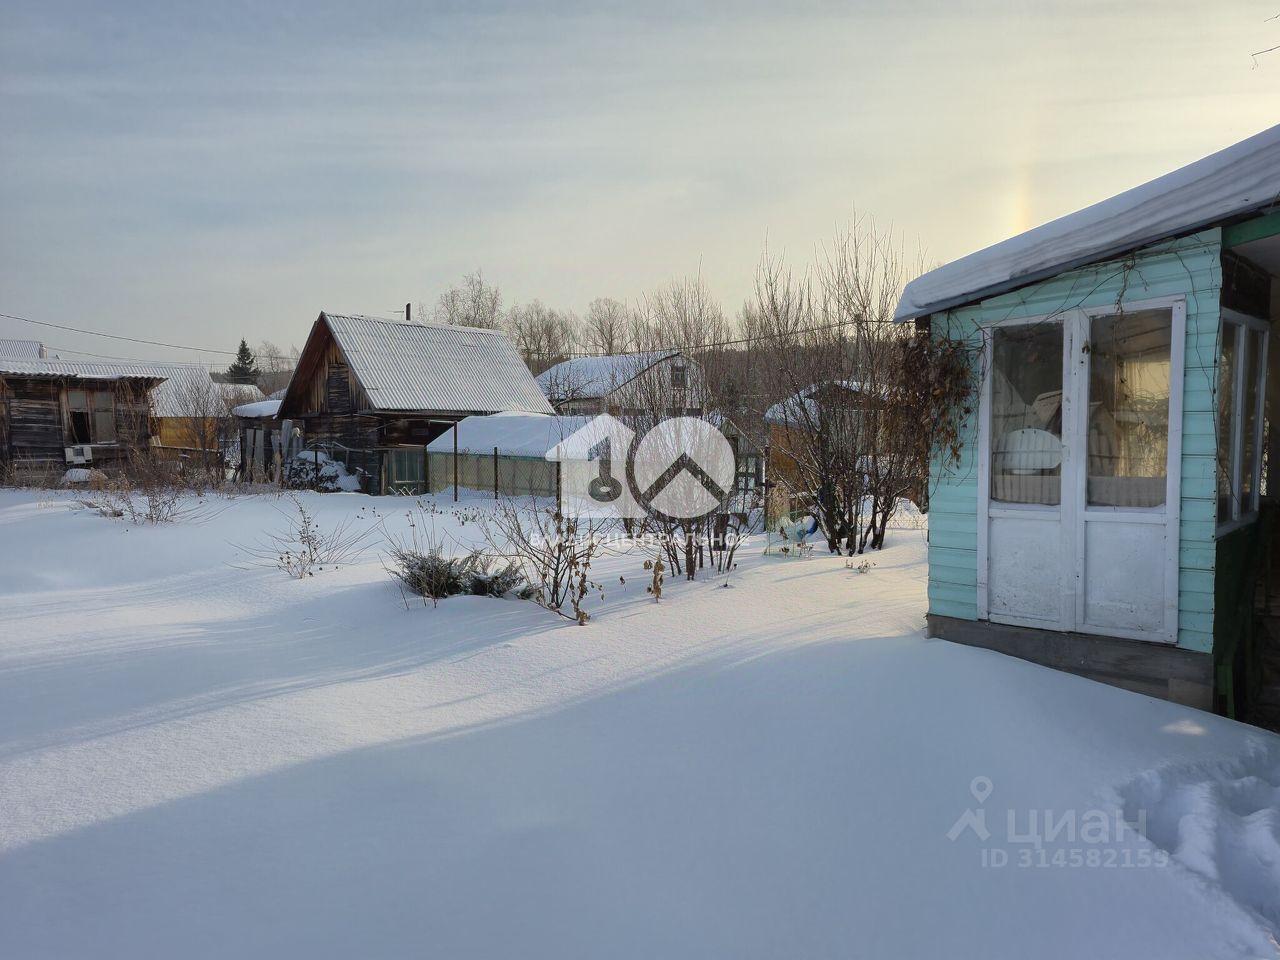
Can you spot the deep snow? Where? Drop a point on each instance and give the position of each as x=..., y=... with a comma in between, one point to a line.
x=202, y=760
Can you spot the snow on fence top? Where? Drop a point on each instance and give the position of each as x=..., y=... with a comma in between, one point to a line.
x=1238, y=180
x=515, y=435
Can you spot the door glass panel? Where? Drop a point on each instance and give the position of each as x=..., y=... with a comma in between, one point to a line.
x=1226, y=419
x=1253, y=376
x=1127, y=446
x=1026, y=414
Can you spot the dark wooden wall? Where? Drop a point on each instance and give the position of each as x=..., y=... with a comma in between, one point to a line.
x=33, y=427
x=35, y=420
x=1245, y=287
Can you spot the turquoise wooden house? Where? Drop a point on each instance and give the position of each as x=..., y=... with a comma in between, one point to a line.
x=1107, y=513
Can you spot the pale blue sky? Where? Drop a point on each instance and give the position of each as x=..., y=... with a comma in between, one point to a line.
x=204, y=172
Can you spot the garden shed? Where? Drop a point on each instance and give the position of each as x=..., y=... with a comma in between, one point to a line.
x=1107, y=513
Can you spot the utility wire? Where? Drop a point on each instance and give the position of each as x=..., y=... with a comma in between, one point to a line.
x=115, y=336
x=710, y=345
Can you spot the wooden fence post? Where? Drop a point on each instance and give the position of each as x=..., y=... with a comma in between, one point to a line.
x=455, y=460
x=495, y=473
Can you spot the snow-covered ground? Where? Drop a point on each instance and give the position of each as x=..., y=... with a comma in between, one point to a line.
x=203, y=759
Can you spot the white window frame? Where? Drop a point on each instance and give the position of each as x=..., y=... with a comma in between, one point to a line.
x=1072, y=511
x=1237, y=325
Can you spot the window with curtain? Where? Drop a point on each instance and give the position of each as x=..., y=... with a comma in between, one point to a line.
x=1026, y=414
x=1129, y=382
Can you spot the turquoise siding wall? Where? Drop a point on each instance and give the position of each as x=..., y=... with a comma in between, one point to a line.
x=1190, y=267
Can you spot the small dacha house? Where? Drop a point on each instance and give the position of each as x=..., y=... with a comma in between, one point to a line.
x=661, y=383
x=374, y=392
x=95, y=411
x=1105, y=513
x=58, y=413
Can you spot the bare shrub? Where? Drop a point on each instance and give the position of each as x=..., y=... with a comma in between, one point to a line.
x=553, y=552
x=304, y=547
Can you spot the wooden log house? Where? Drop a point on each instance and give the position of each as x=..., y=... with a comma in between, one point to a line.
x=374, y=392
x=48, y=406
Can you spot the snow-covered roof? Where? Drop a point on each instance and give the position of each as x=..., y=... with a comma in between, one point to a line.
x=1241, y=179
x=186, y=388
x=260, y=408
x=76, y=369
x=590, y=378
x=22, y=349
x=514, y=434
x=430, y=367
x=801, y=406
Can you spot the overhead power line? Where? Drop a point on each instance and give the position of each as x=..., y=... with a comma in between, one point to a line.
x=116, y=336
x=709, y=345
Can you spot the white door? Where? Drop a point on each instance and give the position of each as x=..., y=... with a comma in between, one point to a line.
x=1079, y=484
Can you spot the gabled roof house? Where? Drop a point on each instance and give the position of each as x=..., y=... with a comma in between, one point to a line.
x=627, y=383
x=376, y=391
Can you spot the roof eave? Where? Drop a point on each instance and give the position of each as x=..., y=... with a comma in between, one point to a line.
x=1109, y=253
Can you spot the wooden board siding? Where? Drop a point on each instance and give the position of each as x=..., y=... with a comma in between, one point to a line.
x=1189, y=267
x=35, y=426
x=338, y=396
x=35, y=419
x=327, y=384
x=1156, y=669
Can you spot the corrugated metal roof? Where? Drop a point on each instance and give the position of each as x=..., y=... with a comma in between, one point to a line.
x=83, y=369
x=417, y=366
x=24, y=349
x=183, y=392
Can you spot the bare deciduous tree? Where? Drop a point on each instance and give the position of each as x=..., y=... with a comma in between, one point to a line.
x=275, y=366
x=470, y=303
x=861, y=400
x=605, y=326
x=543, y=335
